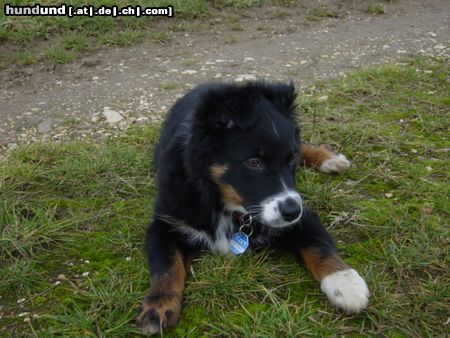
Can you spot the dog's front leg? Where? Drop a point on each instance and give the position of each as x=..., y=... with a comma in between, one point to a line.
x=168, y=265
x=344, y=287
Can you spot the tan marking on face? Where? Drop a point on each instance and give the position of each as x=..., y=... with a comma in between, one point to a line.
x=314, y=157
x=320, y=266
x=229, y=195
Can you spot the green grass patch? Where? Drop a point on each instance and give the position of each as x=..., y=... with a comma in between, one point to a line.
x=375, y=9
x=59, y=55
x=320, y=12
x=75, y=42
x=26, y=58
x=237, y=4
x=80, y=210
x=124, y=38
x=81, y=34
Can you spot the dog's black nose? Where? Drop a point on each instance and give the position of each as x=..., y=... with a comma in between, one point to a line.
x=290, y=209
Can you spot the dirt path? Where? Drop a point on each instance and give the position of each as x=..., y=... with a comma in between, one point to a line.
x=102, y=94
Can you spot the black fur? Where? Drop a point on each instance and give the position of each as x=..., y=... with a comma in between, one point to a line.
x=226, y=124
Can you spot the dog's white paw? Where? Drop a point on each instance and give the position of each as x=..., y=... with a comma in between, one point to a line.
x=335, y=164
x=346, y=290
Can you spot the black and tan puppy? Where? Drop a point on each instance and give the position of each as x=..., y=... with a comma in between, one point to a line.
x=226, y=165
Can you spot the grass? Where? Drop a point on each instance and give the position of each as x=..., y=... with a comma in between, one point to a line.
x=82, y=34
x=321, y=11
x=59, y=55
x=80, y=210
x=78, y=35
x=375, y=9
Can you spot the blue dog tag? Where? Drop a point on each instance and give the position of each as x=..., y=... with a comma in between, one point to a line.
x=239, y=243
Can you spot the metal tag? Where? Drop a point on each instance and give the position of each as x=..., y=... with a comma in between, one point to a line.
x=239, y=243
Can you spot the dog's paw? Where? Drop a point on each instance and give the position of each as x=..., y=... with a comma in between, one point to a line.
x=346, y=290
x=337, y=163
x=158, y=313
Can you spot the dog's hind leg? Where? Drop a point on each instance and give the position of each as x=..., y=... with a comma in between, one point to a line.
x=323, y=159
x=168, y=264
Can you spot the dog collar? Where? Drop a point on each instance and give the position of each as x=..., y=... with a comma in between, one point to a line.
x=239, y=242
x=244, y=221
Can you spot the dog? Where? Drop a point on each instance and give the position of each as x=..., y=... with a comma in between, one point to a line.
x=226, y=174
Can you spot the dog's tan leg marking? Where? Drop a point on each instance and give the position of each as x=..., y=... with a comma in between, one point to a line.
x=162, y=305
x=344, y=287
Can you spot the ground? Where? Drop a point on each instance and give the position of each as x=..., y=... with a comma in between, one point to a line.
x=302, y=43
x=72, y=215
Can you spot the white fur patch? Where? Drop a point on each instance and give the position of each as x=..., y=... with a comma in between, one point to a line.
x=224, y=229
x=346, y=290
x=335, y=164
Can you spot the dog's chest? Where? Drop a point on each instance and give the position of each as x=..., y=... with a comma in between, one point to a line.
x=226, y=228
x=224, y=232
x=220, y=240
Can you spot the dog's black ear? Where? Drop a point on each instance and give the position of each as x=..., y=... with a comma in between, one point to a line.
x=281, y=95
x=224, y=107
x=216, y=116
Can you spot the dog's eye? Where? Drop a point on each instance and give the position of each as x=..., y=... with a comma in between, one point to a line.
x=294, y=158
x=253, y=163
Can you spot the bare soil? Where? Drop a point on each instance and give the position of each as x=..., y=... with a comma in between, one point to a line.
x=73, y=101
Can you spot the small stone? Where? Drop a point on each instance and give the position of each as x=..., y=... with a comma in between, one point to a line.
x=21, y=301
x=95, y=78
x=112, y=116
x=23, y=314
x=98, y=135
x=11, y=146
x=45, y=126
x=388, y=195
x=27, y=320
x=323, y=98
x=61, y=277
x=429, y=168
x=123, y=124
x=85, y=274
x=189, y=72
x=142, y=120
x=245, y=77
x=433, y=34
x=128, y=258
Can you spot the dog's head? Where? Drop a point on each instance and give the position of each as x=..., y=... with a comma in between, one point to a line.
x=250, y=146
